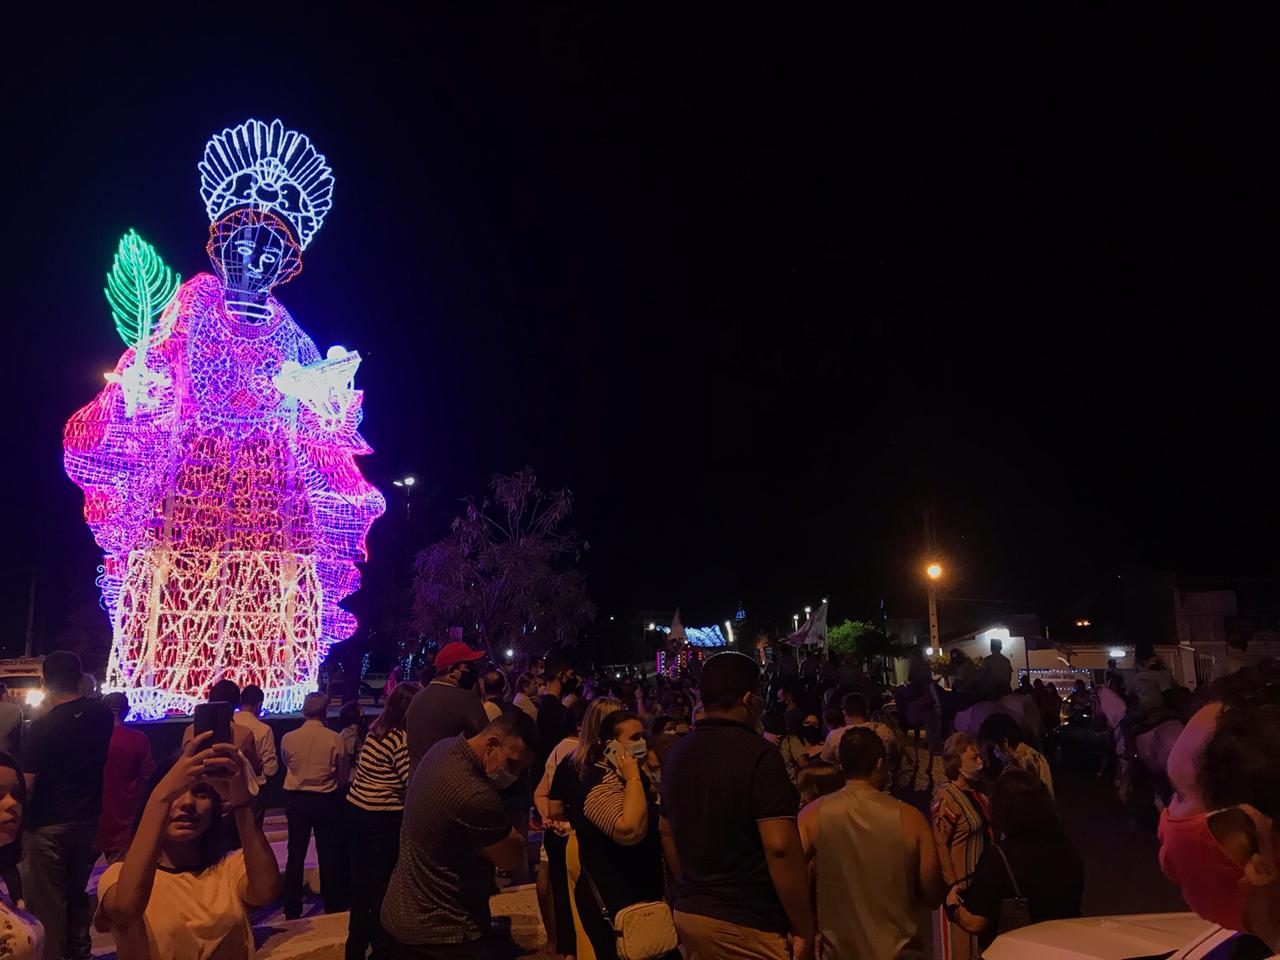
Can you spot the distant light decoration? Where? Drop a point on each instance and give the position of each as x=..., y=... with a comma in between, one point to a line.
x=700, y=636
x=218, y=464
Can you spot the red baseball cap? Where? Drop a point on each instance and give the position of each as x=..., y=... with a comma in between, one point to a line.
x=455, y=652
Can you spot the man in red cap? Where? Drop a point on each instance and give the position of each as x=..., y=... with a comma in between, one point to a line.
x=447, y=706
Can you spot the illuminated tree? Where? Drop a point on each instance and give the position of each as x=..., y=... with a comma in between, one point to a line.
x=505, y=573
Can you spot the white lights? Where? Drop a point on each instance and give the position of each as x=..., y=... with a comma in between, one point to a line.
x=510, y=653
x=1116, y=653
x=653, y=626
x=728, y=627
x=35, y=697
x=928, y=651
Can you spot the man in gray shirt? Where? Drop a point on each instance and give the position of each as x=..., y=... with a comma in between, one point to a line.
x=448, y=705
x=10, y=724
x=455, y=832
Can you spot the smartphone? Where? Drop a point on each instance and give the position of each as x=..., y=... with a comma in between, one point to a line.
x=611, y=751
x=214, y=716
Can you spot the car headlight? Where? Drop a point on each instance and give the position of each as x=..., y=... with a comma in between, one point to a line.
x=35, y=698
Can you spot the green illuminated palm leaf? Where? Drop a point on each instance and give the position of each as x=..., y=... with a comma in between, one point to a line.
x=138, y=289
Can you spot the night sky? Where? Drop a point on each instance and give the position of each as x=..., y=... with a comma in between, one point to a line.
x=758, y=289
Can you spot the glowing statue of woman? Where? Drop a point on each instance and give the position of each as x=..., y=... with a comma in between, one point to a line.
x=218, y=462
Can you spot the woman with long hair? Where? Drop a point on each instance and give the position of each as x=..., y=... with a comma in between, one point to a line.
x=616, y=829
x=961, y=821
x=21, y=935
x=176, y=893
x=551, y=798
x=374, y=811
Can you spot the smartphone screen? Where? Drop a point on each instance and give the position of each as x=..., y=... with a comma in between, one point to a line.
x=216, y=717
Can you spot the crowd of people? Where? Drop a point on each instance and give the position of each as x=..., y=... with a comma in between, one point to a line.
x=732, y=813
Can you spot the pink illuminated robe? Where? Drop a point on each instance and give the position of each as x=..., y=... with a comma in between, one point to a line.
x=231, y=514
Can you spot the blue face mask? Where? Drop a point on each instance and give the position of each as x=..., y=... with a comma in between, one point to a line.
x=639, y=749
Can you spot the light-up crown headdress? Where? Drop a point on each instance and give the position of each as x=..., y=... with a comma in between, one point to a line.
x=267, y=167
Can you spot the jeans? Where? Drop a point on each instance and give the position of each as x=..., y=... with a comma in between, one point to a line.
x=373, y=842
x=56, y=865
x=305, y=812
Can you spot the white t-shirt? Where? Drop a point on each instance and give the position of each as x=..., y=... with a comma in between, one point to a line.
x=195, y=916
x=21, y=935
x=831, y=746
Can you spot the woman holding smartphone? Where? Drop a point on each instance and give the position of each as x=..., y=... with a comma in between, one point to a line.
x=617, y=832
x=175, y=893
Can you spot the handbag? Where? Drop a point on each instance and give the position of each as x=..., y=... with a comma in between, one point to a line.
x=643, y=931
x=1015, y=911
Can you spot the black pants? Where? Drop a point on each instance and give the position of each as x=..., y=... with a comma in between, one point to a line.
x=475, y=950
x=558, y=875
x=320, y=812
x=57, y=862
x=373, y=845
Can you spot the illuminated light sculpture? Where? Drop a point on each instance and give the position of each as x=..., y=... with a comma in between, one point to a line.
x=218, y=463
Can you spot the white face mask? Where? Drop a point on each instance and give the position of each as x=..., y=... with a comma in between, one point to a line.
x=502, y=777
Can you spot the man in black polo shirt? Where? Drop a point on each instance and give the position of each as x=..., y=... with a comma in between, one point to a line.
x=729, y=829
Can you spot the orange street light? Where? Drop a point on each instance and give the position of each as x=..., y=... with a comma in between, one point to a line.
x=934, y=570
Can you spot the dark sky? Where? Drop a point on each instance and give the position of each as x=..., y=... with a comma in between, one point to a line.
x=757, y=287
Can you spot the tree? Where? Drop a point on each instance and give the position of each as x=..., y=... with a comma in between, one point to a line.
x=505, y=573
x=843, y=637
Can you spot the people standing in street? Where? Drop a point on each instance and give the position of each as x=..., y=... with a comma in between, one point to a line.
x=10, y=724
x=615, y=824
x=124, y=780
x=21, y=934
x=553, y=716
x=313, y=764
x=495, y=693
x=525, y=688
x=995, y=675
x=353, y=726
x=877, y=867
x=856, y=714
x=728, y=828
x=264, y=742
x=1008, y=741
x=447, y=706
x=1219, y=836
x=1033, y=861
x=455, y=832
x=375, y=810
x=65, y=755
x=961, y=829
x=178, y=892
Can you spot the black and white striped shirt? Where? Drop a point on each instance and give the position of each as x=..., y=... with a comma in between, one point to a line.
x=382, y=772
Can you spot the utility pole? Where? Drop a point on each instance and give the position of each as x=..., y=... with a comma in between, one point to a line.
x=31, y=616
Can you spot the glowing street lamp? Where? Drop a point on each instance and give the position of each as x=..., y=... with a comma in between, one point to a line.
x=934, y=570
x=406, y=484
x=795, y=621
x=729, y=629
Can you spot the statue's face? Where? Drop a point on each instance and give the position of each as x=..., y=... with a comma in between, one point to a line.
x=251, y=259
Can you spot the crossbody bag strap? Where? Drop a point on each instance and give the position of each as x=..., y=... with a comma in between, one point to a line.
x=595, y=892
x=1009, y=870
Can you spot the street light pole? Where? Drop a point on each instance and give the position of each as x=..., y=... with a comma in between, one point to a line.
x=933, y=571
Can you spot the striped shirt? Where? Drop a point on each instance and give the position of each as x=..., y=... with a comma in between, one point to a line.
x=603, y=803
x=382, y=772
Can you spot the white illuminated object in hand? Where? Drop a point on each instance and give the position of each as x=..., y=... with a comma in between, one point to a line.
x=326, y=387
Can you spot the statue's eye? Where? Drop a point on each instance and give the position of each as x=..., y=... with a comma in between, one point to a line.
x=244, y=249
x=268, y=258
